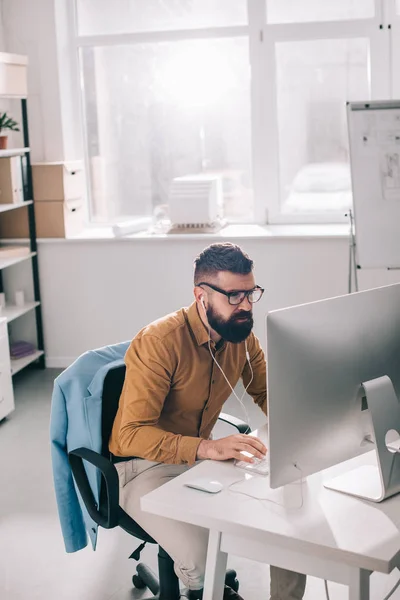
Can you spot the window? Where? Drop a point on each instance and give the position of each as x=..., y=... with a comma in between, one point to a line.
x=161, y=110
x=123, y=16
x=254, y=91
x=314, y=80
x=312, y=11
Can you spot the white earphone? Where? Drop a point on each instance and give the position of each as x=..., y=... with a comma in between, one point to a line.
x=240, y=400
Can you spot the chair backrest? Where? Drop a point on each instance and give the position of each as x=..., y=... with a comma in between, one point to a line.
x=112, y=388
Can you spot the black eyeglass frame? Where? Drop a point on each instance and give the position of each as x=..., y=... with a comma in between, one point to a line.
x=234, y=292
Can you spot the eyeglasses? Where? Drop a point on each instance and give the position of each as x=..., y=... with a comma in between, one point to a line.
x=237, y=296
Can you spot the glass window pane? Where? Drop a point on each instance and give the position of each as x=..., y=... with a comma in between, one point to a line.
x=314, y=81
x=309, y=11
x=121, y=16
x=164, y=110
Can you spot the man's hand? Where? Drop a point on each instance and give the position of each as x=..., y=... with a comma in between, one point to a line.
x=231, y=447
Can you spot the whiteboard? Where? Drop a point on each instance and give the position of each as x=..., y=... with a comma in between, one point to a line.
x=374, y=134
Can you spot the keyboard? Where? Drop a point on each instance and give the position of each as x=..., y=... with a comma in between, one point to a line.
x=259, y=466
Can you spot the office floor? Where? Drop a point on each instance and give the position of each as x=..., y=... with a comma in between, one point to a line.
x=33, y=564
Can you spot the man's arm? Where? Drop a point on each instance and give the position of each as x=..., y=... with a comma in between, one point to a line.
x=149, y=369
x=258, y=387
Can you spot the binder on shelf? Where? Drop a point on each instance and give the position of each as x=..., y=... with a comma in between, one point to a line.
x=11, y=180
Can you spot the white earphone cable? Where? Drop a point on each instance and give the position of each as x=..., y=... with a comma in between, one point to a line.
x=240, y=400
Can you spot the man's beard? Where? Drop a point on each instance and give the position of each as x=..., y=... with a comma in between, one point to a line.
x=231, y=330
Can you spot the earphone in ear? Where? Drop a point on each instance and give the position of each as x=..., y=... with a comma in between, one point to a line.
x=202, y=303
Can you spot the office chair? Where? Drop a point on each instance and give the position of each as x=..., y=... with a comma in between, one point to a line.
x=109, y=514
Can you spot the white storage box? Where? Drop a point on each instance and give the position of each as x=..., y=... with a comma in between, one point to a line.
x=13, y=75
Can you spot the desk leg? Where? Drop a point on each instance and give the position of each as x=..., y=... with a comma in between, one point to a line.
x=214, y=582
x=359, y=585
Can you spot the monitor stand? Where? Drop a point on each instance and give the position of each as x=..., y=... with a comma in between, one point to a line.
x=382, y=480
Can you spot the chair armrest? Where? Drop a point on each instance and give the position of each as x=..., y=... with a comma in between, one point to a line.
x=107, y=515
x=240, y=425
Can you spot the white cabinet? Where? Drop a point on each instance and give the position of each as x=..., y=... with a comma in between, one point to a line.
x=6, y=387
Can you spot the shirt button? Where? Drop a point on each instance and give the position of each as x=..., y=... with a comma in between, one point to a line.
x=213, y=381
x=206, y=408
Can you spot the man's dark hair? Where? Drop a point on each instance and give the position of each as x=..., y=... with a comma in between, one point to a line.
x=221, y=257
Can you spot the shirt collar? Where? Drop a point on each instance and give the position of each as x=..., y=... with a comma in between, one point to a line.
x=197, y=325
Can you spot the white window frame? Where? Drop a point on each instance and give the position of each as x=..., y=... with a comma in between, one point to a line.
x=373, y=30
x=263, y=37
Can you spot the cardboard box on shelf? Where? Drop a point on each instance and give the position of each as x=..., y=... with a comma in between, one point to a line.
x=59, y=219
x=56, y=219
x=58, y=181
x=14, y=224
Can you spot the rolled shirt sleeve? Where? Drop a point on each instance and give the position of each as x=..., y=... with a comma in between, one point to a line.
x=149, y=372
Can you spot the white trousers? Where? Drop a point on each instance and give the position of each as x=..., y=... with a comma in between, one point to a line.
x=186, y=544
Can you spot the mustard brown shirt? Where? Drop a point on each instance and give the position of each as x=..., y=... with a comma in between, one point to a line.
x=174, y=392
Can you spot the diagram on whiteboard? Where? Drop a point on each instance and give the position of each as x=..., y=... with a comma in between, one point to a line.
x=381, y=136
x=390, y=173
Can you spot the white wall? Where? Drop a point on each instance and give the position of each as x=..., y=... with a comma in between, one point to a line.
x=97, y=293
x=30, y=29
x=2, y=37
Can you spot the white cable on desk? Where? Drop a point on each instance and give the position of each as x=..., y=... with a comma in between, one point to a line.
x=301, y=483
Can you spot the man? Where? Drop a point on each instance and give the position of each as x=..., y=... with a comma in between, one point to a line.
x=173, y=393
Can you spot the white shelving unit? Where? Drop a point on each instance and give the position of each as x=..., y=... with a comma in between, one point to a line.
x=13, y=312
x=14, y=84
x=14, y=260
x=7, y=207
x=20, y=363
x=13, y=152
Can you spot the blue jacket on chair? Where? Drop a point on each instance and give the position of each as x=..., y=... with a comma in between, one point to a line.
x=75, y=422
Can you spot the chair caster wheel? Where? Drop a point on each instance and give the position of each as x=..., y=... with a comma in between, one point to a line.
x=138, y=582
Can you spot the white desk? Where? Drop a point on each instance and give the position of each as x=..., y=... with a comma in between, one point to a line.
x=333, y=536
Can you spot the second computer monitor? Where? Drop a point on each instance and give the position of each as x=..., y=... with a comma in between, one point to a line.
x=318, y=355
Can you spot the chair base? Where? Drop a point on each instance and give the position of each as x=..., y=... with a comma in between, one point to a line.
x=167, y=587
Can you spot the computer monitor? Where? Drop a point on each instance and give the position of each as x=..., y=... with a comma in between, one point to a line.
x=318, y=357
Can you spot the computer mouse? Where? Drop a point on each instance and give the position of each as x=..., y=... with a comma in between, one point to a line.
x=205, y=485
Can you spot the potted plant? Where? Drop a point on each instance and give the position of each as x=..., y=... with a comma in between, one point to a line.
x=6, y=123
